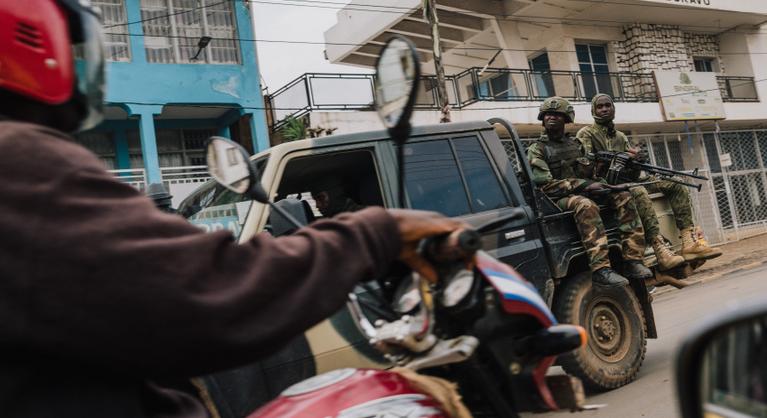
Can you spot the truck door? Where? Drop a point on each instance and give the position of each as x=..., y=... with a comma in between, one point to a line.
x=461, y=176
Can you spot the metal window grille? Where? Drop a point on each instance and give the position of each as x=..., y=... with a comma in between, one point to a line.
x=174, y=27
x=100, y=143
x=116, y=43
x=733, y=204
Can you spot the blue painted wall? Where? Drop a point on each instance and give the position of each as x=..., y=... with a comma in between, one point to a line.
x=141, y=88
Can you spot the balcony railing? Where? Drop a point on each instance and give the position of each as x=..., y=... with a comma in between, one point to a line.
x=316, y=91
x=179, y=181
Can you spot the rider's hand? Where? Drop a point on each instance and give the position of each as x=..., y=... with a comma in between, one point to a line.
x=633, y=152
x=415, y=225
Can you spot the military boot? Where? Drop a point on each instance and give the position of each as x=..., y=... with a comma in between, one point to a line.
x=634, y=269
x=696, y=249
x=666, y=258
x=606, y=277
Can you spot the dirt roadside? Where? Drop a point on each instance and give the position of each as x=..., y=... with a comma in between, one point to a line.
x=741, y=255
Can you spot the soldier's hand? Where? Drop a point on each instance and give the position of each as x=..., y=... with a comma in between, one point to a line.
x=596, y=187
x=415, y=225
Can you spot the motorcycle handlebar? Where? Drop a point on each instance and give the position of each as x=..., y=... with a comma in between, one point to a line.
x=459, y=245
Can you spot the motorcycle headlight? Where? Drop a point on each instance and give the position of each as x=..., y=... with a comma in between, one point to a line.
x=457, y=287
x=406, y=298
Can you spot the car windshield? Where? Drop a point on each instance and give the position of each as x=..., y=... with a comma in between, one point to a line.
x=213, y=207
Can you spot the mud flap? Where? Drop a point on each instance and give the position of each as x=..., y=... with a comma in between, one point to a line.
x=640, y=290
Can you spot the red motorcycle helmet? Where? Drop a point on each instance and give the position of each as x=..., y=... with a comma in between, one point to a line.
x=37, y=58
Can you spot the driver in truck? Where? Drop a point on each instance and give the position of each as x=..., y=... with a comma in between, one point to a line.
x=331, y=197
x=103, y=295
x=559, y=168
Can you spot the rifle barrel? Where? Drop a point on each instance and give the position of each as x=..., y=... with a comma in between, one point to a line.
x=668, y=171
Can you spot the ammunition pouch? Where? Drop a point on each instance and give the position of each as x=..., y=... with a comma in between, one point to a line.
x=562, y=158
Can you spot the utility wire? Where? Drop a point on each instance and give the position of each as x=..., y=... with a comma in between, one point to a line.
x=459, y=48
x=343, y=4
x=376, y=8
x=202, y=6
x=503, y=16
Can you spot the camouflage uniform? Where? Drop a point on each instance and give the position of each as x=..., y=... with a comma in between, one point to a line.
x=565, y=181
x=597, y=137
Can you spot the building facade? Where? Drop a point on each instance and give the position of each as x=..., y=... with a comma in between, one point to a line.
x=504, y=57
x=168, y=91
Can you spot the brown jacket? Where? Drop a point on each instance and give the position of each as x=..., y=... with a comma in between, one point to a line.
x=100, y=292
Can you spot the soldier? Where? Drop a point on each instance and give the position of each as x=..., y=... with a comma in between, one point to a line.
x=602, y=136
x=557, y=161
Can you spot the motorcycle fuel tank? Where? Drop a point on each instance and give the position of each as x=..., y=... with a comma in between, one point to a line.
x=352, y=393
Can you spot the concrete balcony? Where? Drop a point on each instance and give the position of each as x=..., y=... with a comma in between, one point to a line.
x=471, y=29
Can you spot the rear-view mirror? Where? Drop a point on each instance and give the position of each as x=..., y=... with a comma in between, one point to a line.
x=230, y=165
x=397, y=73
x=722, y=369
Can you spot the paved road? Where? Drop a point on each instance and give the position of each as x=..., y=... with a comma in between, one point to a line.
x=653, y=393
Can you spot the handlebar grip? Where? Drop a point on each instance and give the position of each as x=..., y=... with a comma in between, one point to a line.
x=458, y=245
x=469, y=240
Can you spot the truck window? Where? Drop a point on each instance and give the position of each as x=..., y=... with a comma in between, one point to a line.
x=432, y=179
x=435, y=182
x=484, y=188
x=350, y=176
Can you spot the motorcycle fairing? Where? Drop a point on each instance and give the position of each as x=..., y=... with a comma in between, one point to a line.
x=521, y=298
x=518, y=295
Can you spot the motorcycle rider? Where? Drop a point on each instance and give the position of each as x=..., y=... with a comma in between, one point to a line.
x=602, y=136
x=102, y=294
x=559, y=169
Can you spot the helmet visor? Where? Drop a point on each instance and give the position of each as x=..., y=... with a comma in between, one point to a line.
x=90, y=70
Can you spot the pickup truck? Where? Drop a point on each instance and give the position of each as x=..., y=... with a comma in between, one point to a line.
x=462, y=170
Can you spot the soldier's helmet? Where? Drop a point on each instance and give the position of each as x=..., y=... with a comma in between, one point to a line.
x=557, y=105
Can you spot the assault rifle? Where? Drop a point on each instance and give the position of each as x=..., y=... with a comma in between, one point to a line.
x=622, y=168
x=622, y=187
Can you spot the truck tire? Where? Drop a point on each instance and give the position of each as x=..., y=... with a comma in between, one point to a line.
x=616, y=329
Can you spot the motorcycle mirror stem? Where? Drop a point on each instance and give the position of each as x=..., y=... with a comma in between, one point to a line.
x=230, y=165
x=398, y=71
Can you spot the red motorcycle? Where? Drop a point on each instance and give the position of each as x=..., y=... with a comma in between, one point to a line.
x=425, y=335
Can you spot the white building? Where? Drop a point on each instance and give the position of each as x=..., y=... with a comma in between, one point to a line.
x=572, y=48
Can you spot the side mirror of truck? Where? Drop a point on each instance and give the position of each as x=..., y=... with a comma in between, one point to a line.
x=722, y=369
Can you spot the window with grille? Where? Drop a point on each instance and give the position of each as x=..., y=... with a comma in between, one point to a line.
x=175, y=147
x=114, y=19
x=706, y=65
x=173, y=28
x=100, y=143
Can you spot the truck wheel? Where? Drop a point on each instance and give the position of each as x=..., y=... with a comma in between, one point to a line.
x=616, y=328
